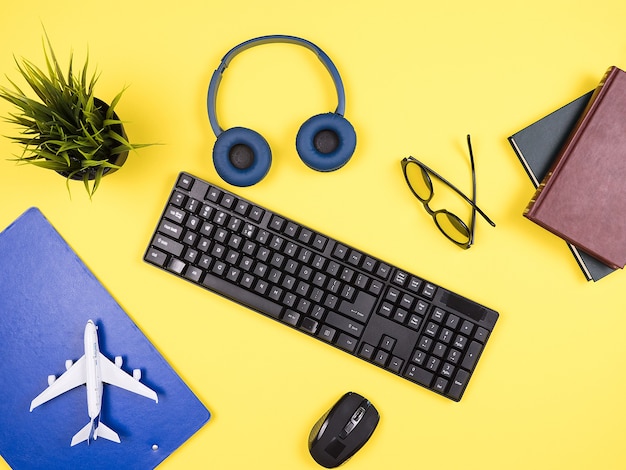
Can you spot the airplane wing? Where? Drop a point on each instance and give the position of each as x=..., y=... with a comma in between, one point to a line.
x=113, y=375
x=71, y=378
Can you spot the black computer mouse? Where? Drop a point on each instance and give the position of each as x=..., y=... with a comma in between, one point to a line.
x=343, y=430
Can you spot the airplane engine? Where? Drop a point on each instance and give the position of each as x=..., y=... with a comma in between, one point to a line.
x=51, y=379
x=118, y=361
x=137, y=374
x=68, y=364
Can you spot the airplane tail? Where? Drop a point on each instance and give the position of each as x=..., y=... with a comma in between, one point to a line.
x=83, y=435
x=94, y=430
x=104, y=431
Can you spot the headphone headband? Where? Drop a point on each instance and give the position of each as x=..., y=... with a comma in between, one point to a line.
x=321, y=55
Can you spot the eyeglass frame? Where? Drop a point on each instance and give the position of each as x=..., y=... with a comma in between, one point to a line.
x=427, y=171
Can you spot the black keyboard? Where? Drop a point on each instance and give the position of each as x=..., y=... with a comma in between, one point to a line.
x=321, y=287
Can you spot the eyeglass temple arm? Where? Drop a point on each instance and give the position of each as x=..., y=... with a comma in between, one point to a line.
x=471, y=153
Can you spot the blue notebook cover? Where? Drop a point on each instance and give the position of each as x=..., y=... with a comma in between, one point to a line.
x=47, y=295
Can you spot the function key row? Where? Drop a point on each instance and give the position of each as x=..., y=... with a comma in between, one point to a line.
x=217, y=196
x=298, y=233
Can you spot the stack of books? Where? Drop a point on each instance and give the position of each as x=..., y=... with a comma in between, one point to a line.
x=576, y=158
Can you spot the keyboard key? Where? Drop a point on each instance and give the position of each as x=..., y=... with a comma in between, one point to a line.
x=367, y=351
x=386, y=309
x=369, y=264
x=309, y=325
x=256, y=213
x=460, y=342
x=458, y=384
x=213, y=194
x=406, y=301
x=346, y=342
x=175, y=214
x=354, y=258
x=345, y=324
x=414, y=284
x=414, y=322
x=177, y=198
x=440, y=385
x=419, y=375
x=228, y=201
x=419, y=357
x=375, y=287
x=192, y=205
x=193, y=274
x=387, y=343
x=471, y=355
x=431, y=329
x=168, y=245
x=340, y=251
x=176, y=265
x=185, y=181
x=466, y=328
x=171, y=229
x=425, y=343
x=291, y=317
x=400, y=315
x=277, y=223
x=452, y=321
x=381, y=358
x=429, y=290
x=244, y=296
x=400, y=278
x=327, y=333
x=360, y=309
x=242, y=207
x=440, y=350
x=446, y=335
x=305, y=236
x=481, y=334
x=433, y=364
x=155, y=256
x=439, y=315
x=291, y=229
x=447, y=370
x=319, y=242
x=383, y=270
x=395, y=364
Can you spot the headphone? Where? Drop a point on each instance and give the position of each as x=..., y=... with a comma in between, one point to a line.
x=325, y=142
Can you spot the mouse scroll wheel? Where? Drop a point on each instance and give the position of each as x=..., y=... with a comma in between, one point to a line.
x=354, y=420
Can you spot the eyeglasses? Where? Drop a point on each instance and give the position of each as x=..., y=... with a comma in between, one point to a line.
x=418, y=177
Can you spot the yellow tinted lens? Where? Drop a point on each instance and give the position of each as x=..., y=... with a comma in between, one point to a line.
x=419, y=181
x=452, y=226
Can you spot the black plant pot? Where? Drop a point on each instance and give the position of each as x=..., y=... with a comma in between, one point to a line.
x=117, y=160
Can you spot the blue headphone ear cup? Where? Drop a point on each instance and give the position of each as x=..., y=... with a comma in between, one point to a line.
x=241, y=156
x=326, y=142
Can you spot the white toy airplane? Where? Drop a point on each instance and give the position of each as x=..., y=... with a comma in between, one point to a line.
x=92, y=370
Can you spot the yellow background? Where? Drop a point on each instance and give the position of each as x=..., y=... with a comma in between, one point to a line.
x=548, y=392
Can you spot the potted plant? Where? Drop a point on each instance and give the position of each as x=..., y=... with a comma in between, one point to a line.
x=65, y=128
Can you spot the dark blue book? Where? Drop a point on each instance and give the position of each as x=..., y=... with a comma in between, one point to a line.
x=47, y=296
x=538, y=145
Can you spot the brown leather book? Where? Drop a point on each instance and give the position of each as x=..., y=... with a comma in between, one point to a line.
x=582, y=198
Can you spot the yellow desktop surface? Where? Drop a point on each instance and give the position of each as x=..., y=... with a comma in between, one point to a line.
x=548, y=391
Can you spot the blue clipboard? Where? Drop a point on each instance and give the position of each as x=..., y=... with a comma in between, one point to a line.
x=47, y=295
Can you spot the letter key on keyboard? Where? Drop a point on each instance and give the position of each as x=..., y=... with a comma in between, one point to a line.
x=308, y=281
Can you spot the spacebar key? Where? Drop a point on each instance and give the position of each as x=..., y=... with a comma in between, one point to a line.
x=242, y=296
